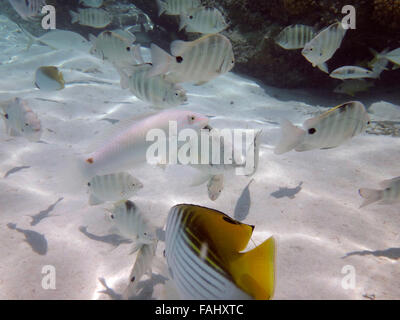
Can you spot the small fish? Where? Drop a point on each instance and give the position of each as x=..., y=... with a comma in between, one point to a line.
x=243, y=204
x=204, y=248
x=91, y=17
x=203, y=20
x=295, y=36
x=92, y=3
x=196, y=61
x=325, y=131
x=379, y=63
x=156, y=90
x=324, y=45
x=389, y=195
x=28, y=9
x=215, y=186
x=112, y=187
x=127, y=147
x=36, y=240
x=49, y=78
x=59, y=40
x=351, y=87
x=116, y=47
x=176, y=7
x=130, y=222
x=352, y=72
x=143, y=264
x=393, y=56
x=44, y=214
x=19, y=119
x=114, y=239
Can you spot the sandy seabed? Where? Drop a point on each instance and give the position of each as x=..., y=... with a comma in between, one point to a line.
x=308, y=201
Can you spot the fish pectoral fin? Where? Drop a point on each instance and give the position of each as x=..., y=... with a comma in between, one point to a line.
x=136, y=247
x=254, y=270
x=200, y=83
x=94, y=201
x=161, y=61
x=323, y=67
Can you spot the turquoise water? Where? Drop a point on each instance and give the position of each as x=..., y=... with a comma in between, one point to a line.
x=308, y=201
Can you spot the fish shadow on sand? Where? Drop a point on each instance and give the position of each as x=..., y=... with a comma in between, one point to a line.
x=44, y=214
x=145, y=288
x=36, y=240
x=287, y=192
x=243, y=204
x=114, y=239
x=14, y=170
x=108, y=291
x=391, y=253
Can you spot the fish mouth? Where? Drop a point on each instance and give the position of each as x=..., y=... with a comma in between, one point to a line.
x=208, y=127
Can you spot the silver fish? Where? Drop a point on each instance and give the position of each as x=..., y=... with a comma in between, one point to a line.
x=389, y=195
x=203, y=20
x=91, y=17
x=295, y=36
x=176, y=7
x=27, y=9
x=196, y=61
x=325, y=131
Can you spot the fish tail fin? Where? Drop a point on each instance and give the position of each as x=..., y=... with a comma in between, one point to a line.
x=161, y=61
x=323, y=67
x=75, y=175
x=74, y=16
x=161, y=7
x=290, y=137
x=254, y=270
x=370, y=196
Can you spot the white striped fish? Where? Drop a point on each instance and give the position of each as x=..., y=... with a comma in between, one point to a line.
x=91, y=17
x=116, y=47
x=202, y=248
x=393, y=56
x=28, y=9
x=156, y=90
x=176, y=7
x=324, y=45
x=130, y=222
x=389, y=195
x=325, y=131
x=203, y=20
x=19, y=119
x=112, y=187
x=196, y=61
x=352, y=72
x=295, y=36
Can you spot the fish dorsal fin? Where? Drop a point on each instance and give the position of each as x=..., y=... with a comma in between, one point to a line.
x=389, y=183
x=223, y=235
x=178, y=47
x=125, y=35
x=254, y=271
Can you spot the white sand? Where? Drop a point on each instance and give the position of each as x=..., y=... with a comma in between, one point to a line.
x=314, y=230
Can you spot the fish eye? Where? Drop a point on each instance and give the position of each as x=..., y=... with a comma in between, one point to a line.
x=89, y=184
x=112, y=216
x=128, y=49
x=369, y=122
x=133, y=279
x=312, y=131
x=6, y=116
x=191, y=17
x=179, y=59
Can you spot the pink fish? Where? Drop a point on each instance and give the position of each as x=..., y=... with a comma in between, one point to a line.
x=27, y=9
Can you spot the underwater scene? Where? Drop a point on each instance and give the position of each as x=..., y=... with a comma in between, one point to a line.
x=200, y=149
